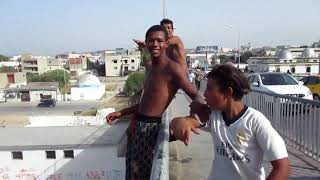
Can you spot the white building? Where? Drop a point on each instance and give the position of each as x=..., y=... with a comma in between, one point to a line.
x=201, y=60
x=14, y=64
x=119, y=64
x=88, y=87
x=33, y=91
x=305, y=63
x=52, y=153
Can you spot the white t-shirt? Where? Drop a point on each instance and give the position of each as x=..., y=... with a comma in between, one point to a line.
x=241, y=146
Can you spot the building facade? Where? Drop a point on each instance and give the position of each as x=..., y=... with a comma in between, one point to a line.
x=119, y=64
x=301, y=62
x=12, y=79
x=33, y=91
x=52, y=153
x=34, y=64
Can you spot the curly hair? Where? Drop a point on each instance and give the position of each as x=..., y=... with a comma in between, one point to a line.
x=228, y=76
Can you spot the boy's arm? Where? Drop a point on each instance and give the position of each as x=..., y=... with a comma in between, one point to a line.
x=176, y=41
x=280, y=169
x=129, y=110
x=181, y=78
x=118, y=114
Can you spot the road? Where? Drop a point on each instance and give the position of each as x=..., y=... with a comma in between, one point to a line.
x=30, y=108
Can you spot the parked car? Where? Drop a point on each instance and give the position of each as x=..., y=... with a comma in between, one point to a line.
x=280, y=83
x=47, y=103
x=313, y=83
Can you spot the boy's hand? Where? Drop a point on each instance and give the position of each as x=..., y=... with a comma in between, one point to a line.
x=113, y=116
x=181, y=128
x=141, y=44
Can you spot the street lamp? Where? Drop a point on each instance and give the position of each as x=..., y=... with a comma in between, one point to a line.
x=164, y=8
x=239, y=55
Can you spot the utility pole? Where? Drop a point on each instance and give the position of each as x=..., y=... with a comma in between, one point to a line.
x=239, y=56
x=164, y=8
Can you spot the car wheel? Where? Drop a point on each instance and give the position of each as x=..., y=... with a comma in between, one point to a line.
x=316, y=97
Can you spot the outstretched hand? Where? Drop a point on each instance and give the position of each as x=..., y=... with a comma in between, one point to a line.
x=181, y=128
x=140, y=44
x=113, y=116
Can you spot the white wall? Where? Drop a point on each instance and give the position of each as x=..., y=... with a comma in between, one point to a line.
x=300, y=68
x=46, y=121
x=35, y=95
x=87, y=93
x=92, y=163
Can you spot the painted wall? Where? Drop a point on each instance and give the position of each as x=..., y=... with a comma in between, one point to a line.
x=93, y=163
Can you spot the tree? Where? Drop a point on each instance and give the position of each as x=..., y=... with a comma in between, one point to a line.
x=224, y=59
x=96, y=67
x=90, y=65
x=4, y=58
x=7, y=69
x=58, y=75
x=145, y=56
x=134, y=83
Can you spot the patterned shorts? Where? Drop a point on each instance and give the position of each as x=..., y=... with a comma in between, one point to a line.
x=142, y=139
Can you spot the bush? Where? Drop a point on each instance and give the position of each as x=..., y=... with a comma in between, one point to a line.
x=134, y=83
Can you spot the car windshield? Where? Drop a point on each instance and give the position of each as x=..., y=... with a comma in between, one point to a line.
x=277, y=79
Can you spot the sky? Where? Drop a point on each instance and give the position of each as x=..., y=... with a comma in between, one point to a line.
x=48, y=27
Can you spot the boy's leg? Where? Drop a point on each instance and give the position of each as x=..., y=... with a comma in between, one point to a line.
x=128, y=157
x=143, y=149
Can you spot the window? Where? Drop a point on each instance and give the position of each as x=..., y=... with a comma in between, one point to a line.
x=115, y=61
x=132, y=67
x=126, y=61
x=51, y=154
x=132, y=60
x=68, y=154
x=115, y=68
x=305, y=80
x=17, y=155
x=308, y=69
x=278, y=79
x=256, y=79
x=312, y=80
x=293, y=70
x=250, y=78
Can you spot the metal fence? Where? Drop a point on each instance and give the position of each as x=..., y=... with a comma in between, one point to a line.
x=160, y=165
x=297, y=120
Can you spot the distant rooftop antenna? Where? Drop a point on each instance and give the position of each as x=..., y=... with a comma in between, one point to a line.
x=164, y=8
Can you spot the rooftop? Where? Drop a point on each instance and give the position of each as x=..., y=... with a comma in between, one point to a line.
x=71, y=137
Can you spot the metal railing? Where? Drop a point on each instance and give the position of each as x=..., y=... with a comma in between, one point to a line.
x=297, y=120
x=160, y=165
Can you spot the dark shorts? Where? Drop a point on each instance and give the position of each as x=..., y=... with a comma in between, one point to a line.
x=142, y=137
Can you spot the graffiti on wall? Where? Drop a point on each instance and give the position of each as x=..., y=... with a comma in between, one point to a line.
x=31, y=174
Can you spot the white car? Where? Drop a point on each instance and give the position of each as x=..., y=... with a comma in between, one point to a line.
x=280, y=83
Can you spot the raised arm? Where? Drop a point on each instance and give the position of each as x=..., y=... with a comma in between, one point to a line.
x=179, y=51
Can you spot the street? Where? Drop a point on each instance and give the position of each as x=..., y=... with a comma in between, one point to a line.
x=30, y=108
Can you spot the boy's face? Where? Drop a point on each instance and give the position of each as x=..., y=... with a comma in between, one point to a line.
x=156, y=43
x=169, y=29
x=216, y=99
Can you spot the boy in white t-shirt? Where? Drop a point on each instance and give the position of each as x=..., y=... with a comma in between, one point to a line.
x=242, y=136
